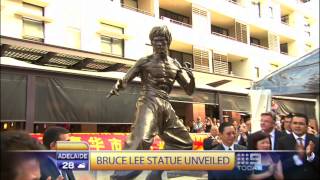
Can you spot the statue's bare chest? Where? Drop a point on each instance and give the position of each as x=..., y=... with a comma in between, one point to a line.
x=160, y=69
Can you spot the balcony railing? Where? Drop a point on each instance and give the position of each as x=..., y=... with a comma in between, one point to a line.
x=137, y=9
x=175, y=21
x=257, y=45
x=222, y=35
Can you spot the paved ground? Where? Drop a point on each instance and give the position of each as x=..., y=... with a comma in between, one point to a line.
x=167, y=175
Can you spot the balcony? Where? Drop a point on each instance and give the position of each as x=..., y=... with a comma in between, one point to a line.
x=286, y=15
x=286, y=46
x=258, y=37
x=177, y=12
x=239, y=66
x=222, y=26
x=230, y=65
x=141, y=6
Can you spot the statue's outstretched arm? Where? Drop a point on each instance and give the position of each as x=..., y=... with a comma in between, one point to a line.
x=130, y=75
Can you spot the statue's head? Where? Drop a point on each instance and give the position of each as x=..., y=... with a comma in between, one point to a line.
x=160, y=31
x=160, y=38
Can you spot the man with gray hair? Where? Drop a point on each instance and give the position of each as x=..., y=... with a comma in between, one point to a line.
x=154, y=113
x=267, y=124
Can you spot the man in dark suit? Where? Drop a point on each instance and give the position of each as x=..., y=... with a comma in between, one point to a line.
x=304, y=163
x=228, y=135
x=48, y=164
x=268, y=124
x=287, y=124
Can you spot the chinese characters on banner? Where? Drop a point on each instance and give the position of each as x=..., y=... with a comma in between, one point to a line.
x=115, y=141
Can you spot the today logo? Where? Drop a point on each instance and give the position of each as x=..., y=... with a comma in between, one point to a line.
x=248, y=161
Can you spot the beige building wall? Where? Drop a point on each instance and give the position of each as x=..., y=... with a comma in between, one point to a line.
x=80, y=21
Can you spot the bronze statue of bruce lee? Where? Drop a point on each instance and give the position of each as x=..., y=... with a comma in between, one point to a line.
x=154, y=113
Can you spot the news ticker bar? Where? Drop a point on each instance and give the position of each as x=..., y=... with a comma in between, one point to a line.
x=160, y=160
x=145, y=160
x=77, y=156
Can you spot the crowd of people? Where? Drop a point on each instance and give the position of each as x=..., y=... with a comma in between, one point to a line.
x=294, y=134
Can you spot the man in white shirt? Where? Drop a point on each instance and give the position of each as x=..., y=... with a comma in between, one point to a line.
x=227, y=133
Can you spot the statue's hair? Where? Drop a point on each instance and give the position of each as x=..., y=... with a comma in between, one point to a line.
x=160, y=31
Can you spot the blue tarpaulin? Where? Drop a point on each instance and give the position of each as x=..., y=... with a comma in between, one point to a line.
x=299, y=78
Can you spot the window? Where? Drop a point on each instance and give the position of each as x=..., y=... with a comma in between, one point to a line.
x=220, y=30
x=284, y=48
x=130, y=3
x=182, y=57
x=112, y=29
x=254, y=41
x=257, y=72
x=270, y=12
x=256, y=8
x=33, y=29
x=285, y=19
x=112, y=45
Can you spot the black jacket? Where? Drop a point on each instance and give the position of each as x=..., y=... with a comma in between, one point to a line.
x=307, y=169
x=235, y=174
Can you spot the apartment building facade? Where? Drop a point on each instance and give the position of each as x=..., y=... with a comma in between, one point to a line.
x=230, y=44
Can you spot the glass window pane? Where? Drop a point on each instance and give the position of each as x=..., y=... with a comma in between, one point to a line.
x=33, y=9
x=111, y=28
x=33, y=28
x=106, y=45
x=117, y=47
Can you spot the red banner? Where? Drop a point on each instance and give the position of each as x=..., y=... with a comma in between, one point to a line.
x=115, y=141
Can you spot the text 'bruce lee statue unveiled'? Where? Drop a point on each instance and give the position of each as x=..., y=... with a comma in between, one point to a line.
x=154, y=114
